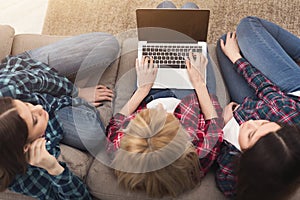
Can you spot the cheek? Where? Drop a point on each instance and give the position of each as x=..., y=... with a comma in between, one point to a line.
x=243, y=139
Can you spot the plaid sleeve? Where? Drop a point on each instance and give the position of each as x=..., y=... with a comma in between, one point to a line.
x=263, y=87
x=226, y=177
x=114, y=132
x=68, y=186
x=39, y=184
x=207, y=135
x=25, y=75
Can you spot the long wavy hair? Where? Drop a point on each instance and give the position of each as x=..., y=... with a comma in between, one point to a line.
x=156, y=156
x=271, y=168
x=13, y=137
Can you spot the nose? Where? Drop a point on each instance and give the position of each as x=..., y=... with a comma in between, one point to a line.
x=37, y=108
x=256, y=123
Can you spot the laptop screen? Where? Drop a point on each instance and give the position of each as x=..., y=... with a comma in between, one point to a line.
x=172, y=25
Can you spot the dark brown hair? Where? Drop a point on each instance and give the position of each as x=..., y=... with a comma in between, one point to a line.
x=13, y=137
x=270, y=169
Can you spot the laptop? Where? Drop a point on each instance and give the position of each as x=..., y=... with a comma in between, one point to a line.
x=168, y=35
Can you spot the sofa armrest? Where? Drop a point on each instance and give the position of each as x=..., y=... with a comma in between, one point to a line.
x=24, y=42
x=6, y=37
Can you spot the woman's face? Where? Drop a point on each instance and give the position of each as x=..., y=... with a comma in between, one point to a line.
x=251, y=131
x=35, y=117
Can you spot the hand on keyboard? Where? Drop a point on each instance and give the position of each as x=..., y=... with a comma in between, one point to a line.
x=146, y=72
x=196, y=66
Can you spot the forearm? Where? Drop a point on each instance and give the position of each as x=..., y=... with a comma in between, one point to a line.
x=134, y=102
x=205, y=102
x=258, y=81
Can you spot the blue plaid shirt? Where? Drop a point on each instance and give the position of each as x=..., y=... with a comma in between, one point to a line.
x=270, y=104
x=33, y=81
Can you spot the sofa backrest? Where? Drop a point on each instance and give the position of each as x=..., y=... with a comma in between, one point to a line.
x=70, y=17
x=6, y=40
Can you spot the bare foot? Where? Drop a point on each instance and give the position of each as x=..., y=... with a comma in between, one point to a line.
x=96, y=94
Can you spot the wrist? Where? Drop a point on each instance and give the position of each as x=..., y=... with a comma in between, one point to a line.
x=235, y=57
x=56, y=169
x=199, y=86
x=143, y=91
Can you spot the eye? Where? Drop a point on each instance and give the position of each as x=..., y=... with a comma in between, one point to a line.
x=35, y=120
x=250, y=135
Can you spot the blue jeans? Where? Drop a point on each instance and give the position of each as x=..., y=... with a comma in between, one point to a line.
x=82, y=127
x=83, y=56
x=170, y=4
x=80, y=57
x=268, y=47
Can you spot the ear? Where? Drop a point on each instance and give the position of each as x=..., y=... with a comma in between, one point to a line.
x=26, y=147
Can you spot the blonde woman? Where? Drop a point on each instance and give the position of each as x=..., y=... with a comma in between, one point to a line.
x=166, y=146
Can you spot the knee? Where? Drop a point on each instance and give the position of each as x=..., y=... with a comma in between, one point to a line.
x=247, y=21
x=190, y=5
x=166, y=4
x=107, y=44
x=107, y=39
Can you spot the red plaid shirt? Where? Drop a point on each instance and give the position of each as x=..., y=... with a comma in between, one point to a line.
x=206, y=135
x=271, y=104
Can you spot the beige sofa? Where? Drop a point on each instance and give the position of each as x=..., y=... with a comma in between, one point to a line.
x=121, y=76
x=74, y=17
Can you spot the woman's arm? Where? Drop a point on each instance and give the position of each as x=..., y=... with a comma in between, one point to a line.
x=259, y=82
x=196, y=68
x=146, y=74
x=52, y=179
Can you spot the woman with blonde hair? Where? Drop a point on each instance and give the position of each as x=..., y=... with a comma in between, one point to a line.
x=166, y=146
x=150, y=144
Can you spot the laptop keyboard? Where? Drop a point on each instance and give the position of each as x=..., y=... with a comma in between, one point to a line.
x=170, y=55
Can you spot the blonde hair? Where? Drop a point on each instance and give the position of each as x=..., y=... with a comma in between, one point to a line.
x=156, y=156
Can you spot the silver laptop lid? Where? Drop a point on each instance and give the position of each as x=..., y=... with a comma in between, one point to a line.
x=172, y=25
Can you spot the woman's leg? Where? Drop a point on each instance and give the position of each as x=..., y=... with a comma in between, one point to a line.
x=166, y=4
x=82, y=127
x=237, y=86
x=272, y=50
x=190, y=5
x=88, y=54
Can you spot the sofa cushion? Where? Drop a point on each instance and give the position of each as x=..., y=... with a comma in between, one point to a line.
x=6, y=37
x=103, y=184
x=79, y=162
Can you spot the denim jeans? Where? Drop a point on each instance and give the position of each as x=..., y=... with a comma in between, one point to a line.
x=268, y=47
x=83, y=56
x=170, y=4
x=80, y=56
x=82, y=127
